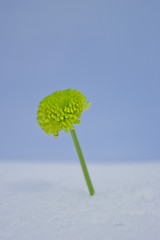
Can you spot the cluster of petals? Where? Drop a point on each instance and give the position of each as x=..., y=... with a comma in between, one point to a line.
x=60, y=110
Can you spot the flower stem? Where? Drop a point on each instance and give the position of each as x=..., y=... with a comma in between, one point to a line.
x=82, y=161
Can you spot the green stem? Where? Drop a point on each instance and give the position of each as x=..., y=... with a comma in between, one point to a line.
x=82, y=161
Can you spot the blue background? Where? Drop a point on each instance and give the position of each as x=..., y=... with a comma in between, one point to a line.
x=109, y=50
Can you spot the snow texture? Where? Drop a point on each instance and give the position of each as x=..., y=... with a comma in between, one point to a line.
x=47, y=201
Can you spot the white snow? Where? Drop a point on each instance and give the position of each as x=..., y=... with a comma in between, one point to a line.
x=47, y=201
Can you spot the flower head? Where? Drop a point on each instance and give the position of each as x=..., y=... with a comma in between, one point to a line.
x=60, y=110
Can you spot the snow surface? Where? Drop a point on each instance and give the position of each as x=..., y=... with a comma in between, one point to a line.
x=47, y=201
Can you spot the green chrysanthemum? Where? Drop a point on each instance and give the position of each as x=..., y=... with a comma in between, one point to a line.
x=60, y=110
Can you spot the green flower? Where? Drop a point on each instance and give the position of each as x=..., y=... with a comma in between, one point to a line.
x=60, y=110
